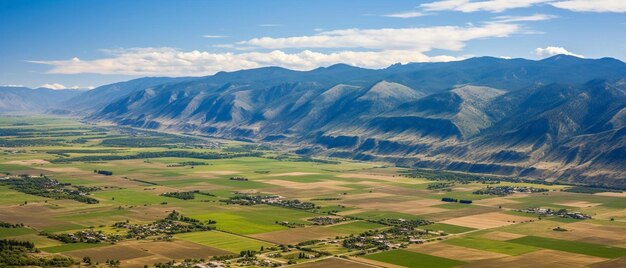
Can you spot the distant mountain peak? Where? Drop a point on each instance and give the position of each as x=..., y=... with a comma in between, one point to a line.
x=562, y=57
x=389, y=90
x=337, y=67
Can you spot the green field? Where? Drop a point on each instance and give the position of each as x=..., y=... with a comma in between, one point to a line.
x=503, y=247
x=225, y=241
x=413, y=259
x=10, y=197
x=572, y=246
x=260, y=219
x=355, y=227
x=448, y=228
x=328, y=205
x=6, y=232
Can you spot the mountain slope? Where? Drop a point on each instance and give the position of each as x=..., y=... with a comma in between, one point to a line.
x=561, y=117
x=27, y=100
x=98, y=97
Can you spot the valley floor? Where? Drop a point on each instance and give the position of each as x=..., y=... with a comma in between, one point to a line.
x=129, y=198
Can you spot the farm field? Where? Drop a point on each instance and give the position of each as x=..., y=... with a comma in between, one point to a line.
x=413, y=259
x=103, y=193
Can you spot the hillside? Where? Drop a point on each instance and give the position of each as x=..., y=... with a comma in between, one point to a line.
x=27, y=100
x=558, y=118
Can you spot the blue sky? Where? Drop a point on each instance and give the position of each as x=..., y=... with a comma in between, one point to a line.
x=85, y=43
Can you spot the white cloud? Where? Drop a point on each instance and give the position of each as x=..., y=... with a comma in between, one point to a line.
x=12, y=86
x=57, y=86
x=467, y=6
x=405, y=15
x=171, y=61
x=418, y=39
x=224, y=46
x=551, y=51
x=473, y=6
x=618, y=6
x=214, y=36
x=534, y=17
x=371, y=48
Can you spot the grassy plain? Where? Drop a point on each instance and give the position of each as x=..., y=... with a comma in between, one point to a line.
x=602, y=251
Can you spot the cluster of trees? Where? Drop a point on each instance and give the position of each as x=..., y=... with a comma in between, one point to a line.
x=175, y=216
x=187, y=263
x=80, y=140
x=590, y=190
x=35, y=132
x=113, y=263
x=507, y=190
x=10, y=225
x=295, y=203
x=50, y=188
x=9, y=243
x=440, y=175
x=85, y=236
x=439, y=185
x=17, y=253
x=186, y=195
x=402, y=223
x=449, y=199
x=564, y=213
x=363, y=241
x=181, y=195
x=103, y=172
x=160, y=154
x=139, y=138
x=454, y=200
x=30, y=142
x=448, y=176
x=188, y=163
x=224, y=257
x=290, y=224
x=249, y=200
x=174, y=223
x=66, y=152
x=247, y=253
x=142, y=142
x=15, y=131
x=274, y=200
x=326, y=220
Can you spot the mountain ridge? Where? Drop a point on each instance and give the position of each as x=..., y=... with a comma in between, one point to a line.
x=558, y=118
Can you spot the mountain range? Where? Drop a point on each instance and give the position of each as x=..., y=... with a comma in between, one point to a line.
x=18, y=99
x=559, y=118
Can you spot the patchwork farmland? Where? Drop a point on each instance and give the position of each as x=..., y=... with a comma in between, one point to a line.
x=106, y=196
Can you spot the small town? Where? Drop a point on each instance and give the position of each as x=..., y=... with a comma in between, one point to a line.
x=564, y=213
